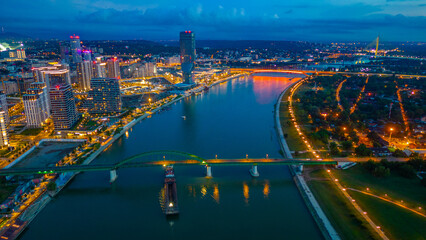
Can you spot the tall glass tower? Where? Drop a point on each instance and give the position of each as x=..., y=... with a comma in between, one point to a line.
x=187, y=55
x=75, y=48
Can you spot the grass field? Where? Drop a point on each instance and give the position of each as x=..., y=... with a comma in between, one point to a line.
x=396, y=222
x=5, y=191
x=32, y=131
x=293, y=140
x=396, y=187
x=339, y=211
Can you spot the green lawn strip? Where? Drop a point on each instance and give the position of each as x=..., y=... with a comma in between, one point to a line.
x=344, y=218
x=397, y=188
x=293, y=140
x=5, y=191
x=396, y=222
x=32, y=131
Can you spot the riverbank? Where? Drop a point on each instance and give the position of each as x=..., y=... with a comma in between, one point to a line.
x=319, y=216
x=44, y=198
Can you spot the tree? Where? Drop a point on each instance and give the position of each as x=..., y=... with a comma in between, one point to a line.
x=424, y=182
x=407, y=171
x=334, y=150
x=362, y=150
x=381, y=171
x=370, y=165
x=51, y=186
x=347, y=145
x=399, y=153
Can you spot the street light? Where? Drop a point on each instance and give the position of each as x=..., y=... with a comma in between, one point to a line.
x=390, y=135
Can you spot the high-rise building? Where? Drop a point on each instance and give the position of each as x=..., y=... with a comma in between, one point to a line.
x=65, y=52
x=4, y=139
x=187, y=55
x=20, y=53
x=104, y=96
x=113, y=68
x=24, y=83
x=36, y=105
x=75, y=47
x=52, y=75
x=4, y=107
x=99, y=70
x=62, y=103
x=87, y=55
x=84, y=74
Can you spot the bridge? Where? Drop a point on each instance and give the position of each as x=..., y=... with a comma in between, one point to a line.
x=186, y=159
x=320, y=72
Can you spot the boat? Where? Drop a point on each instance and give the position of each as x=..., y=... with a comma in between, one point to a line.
x=170, y=200
x=184, y=117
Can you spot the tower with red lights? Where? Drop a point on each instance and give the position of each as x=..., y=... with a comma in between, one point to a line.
x=187, y=55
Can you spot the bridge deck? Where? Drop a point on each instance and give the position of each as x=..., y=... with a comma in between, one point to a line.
x=94, y=167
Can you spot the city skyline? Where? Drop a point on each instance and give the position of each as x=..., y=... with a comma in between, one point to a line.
x=301, y=20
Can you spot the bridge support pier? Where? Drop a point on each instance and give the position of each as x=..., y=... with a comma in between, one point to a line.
x=300, y=168
x=208, y=171
x=253, y=171
x=113, y=176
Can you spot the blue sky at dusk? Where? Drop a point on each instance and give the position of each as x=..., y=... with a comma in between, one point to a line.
x=312, y=20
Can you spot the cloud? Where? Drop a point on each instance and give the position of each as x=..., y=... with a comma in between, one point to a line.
x=309, y=20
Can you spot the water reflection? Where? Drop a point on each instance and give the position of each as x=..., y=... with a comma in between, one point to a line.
x=216, y=193
x=266, y=190
x=246, y=192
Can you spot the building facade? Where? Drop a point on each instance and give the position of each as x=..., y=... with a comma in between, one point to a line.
x=84, y=74
x=62, y=103
x=4, y=139
x=36, y=105
x=4, y=108
x=104, y=96
x=75, y=48
x=113, y=68
x=187, y=55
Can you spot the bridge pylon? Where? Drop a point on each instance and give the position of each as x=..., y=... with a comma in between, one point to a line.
x=253, y=171
x=113, y=175
x=208, y=171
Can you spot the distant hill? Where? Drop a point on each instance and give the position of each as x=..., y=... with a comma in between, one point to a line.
x=243, y=44
x=10, y=36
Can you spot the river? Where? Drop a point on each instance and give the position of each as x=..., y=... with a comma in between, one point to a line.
x=231, y=120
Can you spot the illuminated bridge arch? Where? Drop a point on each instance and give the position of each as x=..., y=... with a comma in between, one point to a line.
x=161, y=152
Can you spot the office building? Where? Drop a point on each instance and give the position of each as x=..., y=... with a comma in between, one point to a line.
x=84, y=74
x=113, y=68
x=104, y=96
x=36, y=105
x=187, y=55
x=4, y=107
x=9, y=87
x=75, y=48
x=4, y=140
x=87, y=55
x=52, y=75
x=99, y=70
x=62, y=104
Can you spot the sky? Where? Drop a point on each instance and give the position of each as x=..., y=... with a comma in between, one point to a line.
x=300, y=20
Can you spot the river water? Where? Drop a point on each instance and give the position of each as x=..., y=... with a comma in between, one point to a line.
x=231, y=120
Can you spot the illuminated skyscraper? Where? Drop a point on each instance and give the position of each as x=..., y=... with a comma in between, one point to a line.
x=75, y=48
x=4, y=140
x=84, y=74
x=105, y=95
x=113, y=68
x=187, y=55
x=64, y=114
x=99, y=70
x=36, y=105
x=52, y=75
x=4, y=107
